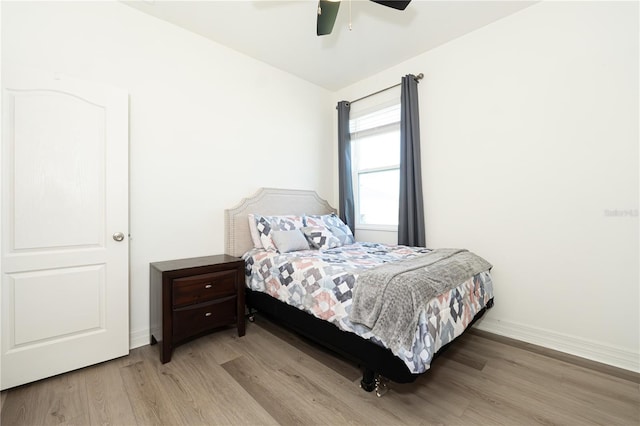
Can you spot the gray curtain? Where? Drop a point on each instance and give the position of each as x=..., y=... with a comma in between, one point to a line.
x=345, y=194
x=411, y=229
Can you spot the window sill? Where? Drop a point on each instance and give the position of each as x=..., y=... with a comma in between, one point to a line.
x=381, y=228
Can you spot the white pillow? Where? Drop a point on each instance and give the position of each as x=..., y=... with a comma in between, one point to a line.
x=287, y=241
x=255, y=237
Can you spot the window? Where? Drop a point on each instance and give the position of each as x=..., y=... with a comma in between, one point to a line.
x=375, y=157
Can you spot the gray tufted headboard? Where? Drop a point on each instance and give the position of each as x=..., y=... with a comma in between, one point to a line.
x=267, y=201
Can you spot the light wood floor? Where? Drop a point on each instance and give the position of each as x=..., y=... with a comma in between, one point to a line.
x=271, y=376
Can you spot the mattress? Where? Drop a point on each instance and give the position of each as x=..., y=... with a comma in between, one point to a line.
x=320, y=282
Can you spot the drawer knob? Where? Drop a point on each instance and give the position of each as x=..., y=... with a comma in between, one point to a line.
x=208, y=314
x=207, y=286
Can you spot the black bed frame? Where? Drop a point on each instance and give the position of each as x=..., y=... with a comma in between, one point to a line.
x=373, y=359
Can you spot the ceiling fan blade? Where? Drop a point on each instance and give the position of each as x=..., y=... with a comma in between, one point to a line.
x=327, y=13
x=396, y=4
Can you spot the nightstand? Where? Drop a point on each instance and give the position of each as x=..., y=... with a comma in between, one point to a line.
x=192, y=297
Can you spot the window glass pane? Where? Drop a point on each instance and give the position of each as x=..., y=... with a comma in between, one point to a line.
x=381, y=150
x=379, y=118
x=378, y=194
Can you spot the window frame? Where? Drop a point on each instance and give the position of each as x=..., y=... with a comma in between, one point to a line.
x=355, y=169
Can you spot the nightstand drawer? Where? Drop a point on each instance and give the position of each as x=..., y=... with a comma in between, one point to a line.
x=200, y=288
x=192, y=320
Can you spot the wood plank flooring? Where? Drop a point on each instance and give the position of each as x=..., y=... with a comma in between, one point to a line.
x=272, y=376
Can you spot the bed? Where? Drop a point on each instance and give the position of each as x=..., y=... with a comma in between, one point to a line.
x=311, y=291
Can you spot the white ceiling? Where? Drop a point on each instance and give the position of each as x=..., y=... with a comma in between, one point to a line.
x=283, y=33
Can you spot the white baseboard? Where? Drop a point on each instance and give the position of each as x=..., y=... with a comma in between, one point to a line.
x=595, y=351
x=139, y=338
x=549, y=339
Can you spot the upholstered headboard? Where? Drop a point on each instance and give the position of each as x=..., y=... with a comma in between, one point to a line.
x=271, y=202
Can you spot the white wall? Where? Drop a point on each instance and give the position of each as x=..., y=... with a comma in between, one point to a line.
x=208, y=126
x=530, y=133
x=529, y=136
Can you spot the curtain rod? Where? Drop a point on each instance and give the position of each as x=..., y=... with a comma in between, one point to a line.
x=417, y=78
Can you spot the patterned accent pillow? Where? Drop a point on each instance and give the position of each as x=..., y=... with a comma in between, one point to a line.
x=332, y=222
x=320, y=237
x=341, y=235
x=267, y=224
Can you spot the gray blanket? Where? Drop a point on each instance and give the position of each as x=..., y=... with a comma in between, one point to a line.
x=389, y=298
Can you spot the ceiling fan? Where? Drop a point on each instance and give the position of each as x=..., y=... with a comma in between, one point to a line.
x=328, y=11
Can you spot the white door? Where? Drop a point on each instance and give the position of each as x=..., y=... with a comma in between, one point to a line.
x=65, y=279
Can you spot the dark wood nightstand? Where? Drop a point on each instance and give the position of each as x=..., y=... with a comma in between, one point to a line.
x=191, y=297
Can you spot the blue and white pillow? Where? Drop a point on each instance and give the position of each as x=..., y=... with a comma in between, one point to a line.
x=267, y=224
x=334, y=224
x=321, y=237
x=341, y=235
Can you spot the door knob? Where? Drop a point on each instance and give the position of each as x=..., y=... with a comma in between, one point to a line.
x=118, y=236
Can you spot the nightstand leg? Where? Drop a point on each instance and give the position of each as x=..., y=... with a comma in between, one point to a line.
x=165, y=353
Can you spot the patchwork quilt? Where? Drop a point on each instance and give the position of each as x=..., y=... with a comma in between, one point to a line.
x=321, y=283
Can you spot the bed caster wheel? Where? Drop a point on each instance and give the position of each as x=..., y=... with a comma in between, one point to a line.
x=381, y=385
